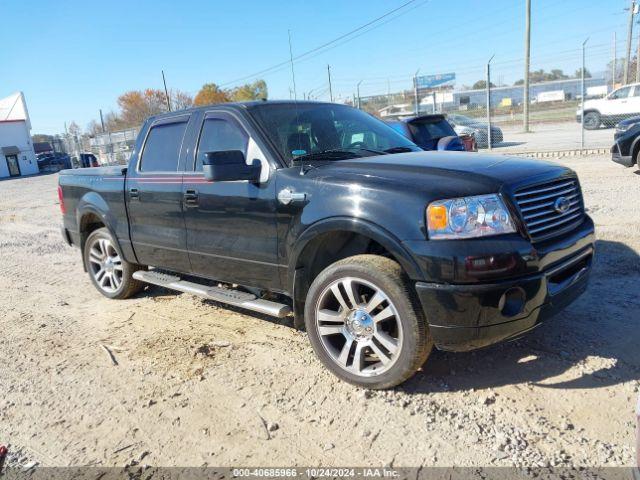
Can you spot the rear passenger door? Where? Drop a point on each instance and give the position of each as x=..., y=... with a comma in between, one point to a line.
x=154, y=196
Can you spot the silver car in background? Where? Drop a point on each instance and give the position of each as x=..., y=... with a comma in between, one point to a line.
x=464, y=125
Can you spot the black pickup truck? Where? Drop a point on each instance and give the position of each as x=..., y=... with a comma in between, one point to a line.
x=381, y=250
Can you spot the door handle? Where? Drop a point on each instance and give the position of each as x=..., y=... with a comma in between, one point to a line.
x=191, y=198
x=287, y=196
x=133, y=193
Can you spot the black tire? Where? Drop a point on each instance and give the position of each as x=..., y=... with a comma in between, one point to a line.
x=127, y=285
x=592, y=120
x=387, y=276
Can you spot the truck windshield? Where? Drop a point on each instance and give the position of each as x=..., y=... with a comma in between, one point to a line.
x=317, y=131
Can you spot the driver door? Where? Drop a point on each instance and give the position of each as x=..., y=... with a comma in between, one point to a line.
x=231, y=225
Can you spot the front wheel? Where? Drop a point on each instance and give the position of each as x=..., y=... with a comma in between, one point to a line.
x=592, y=120
x=365, y=323
x=109, y=272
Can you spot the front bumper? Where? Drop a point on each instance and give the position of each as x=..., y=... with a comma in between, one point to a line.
x=471, y=316
x=616, y=156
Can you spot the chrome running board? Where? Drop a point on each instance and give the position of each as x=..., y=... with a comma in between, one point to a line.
x=229, y=296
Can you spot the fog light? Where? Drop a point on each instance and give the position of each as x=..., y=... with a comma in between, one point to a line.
x=512, y=302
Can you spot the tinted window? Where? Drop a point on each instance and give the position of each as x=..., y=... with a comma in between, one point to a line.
x=220, y=134
x=621, y=93
x=162, y=148
x=425, y=133
x=303, y=128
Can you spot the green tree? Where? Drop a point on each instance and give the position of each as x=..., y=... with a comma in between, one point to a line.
x=480, y=84
x=587, y=73
x=250, y=91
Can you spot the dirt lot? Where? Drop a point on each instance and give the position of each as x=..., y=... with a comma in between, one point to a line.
x=200, y=384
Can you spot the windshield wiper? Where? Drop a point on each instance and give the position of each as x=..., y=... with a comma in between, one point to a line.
x=399, y=150
x=333, y=154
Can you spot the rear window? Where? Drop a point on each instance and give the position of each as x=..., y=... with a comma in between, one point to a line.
x=424, y=132
x=162, y=148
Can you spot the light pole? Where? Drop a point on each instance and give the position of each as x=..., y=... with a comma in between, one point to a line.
x=489, y=102
x=358, y=90
x=527, y=57
x=415, y=92
x=632, y=11
x=582, y=95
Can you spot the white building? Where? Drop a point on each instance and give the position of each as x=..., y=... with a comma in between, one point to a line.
x=16, y=149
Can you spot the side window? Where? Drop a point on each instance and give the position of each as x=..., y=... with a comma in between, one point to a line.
x=162, y=148
x=620, y=93
x=219, y=134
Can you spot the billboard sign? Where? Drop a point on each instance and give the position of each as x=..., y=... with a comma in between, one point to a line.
x=433, y=81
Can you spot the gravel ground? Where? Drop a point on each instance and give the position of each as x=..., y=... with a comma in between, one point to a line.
x=199, y=384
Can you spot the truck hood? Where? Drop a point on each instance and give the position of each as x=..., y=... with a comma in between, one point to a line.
x=444, y=173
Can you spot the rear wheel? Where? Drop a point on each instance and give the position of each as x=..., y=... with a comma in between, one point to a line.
x=592, y=120
x=109, y=272
x=364, y=322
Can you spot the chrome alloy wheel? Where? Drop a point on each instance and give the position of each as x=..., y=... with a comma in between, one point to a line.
x=358, y=326
x=105, y=265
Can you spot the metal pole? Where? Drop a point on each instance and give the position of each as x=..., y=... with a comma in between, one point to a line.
x=627, y=57
x=330, y=89
x=166, y=93
x=613, y=64
x=101, y=121
x=527, y=52
x=358, y=90
x=638, y=62
x=415, y=92
x=582, y=97
x=489, y=102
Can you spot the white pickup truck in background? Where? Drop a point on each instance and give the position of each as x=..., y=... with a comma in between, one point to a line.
x=608, y=111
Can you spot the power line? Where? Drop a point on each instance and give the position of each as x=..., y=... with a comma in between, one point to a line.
x=326, y=44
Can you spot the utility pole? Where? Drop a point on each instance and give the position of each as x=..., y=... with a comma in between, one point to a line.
x=527, y=58
x=415, y=92
x=358, y=90
x=613, y=64
x=582, y=98
x=330, y=89
x=627, y=58
x=489, y=101
x=102, y=121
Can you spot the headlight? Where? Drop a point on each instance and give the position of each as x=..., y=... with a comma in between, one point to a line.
x=468, y=217
x=624, y=128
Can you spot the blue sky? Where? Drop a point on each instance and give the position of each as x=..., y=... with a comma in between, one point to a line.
x=71, y=58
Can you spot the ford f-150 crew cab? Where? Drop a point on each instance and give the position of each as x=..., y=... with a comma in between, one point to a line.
x=379, y=249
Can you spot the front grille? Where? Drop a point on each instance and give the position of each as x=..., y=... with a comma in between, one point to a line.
x=537, y=205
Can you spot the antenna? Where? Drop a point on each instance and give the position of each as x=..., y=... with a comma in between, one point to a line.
x=293, y=73
x=166, y=93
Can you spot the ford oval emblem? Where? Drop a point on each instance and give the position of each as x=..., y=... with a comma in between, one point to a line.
x=562, y=204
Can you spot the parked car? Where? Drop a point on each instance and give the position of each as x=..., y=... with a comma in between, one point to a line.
x=626, y=147
x=85, y=160
x=464, y=125
x=53, y=161
x=432, y=132
x=381, y=250
x=620, y=104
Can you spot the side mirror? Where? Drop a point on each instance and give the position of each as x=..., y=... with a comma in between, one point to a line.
x=229, y=166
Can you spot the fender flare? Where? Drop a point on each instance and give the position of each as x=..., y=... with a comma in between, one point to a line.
x=634, y=148
x=93, y=203
x=356, y=225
